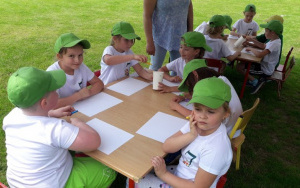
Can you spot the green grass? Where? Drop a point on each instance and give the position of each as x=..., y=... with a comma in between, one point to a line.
x=270, y=156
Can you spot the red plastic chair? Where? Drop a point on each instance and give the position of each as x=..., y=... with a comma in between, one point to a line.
x=222, y=181
x=97, y=73
x=2, y=185
x=219, y=64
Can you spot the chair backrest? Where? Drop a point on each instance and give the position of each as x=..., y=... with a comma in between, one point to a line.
x=214, y=63
x=243, y=120
x=283, y=68
x=289, y=68
x=97, y=73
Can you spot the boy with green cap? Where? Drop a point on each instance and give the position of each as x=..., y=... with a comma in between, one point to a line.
x=193, y=46
x=270, y=55
x=245, y=26
x=37, y=141
x=69, y=54
x=206, y=152
x=217, y=24
x=118, y=57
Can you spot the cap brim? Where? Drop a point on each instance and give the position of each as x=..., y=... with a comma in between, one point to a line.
x=131, y=36
x=263, y=25
x=182, y=86
x=207, y=101
x=58, y=79
x=207, y=48
x=85, y=44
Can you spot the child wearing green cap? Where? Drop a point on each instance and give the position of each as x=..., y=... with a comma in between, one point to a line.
x=37, y=140
x=118, y=57
x=206, y=152
x=270, y=55
x=69, y=54
x=216, y=26
x=245, y=26
x=193, y=46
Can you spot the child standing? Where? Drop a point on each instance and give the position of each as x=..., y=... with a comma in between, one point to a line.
x=216, y=27
x=37, y=141
x=193, y=46
x=245, y=26
x=206, y=152
x=69, y=53
x=118, y=57
x=270, y=55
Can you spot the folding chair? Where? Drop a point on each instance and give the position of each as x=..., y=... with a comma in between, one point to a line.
x=216, y=63
x=281, y=74
x=241, y=125
x=97, y=73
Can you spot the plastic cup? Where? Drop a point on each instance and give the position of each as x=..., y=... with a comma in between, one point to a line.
x=239, y=42
x=157, y=77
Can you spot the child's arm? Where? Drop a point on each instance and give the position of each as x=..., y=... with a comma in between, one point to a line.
x=96, y=86
x=233, y=33
x=166, y=89
x=87, y=139
x=167, y=75
x=118, y=59
x=180, y=109
x=258, y=53
x=255, y=42
x=70, y=100
x=61, y=112
x=234, y=56
x=142, y=72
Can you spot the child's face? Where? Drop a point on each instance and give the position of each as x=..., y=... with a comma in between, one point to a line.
x=208, y=119
x=269, y=34
x=71, y=60
x=249, y=16
x=122, y=44
x=188, y=53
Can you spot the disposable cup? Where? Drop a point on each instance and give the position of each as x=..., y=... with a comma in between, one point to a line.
x=157, y=77
x=239, y=42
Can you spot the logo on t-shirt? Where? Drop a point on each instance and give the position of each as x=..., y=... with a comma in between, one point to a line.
x=188, y=158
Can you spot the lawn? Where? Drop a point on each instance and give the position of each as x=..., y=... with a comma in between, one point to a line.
x=270, y=157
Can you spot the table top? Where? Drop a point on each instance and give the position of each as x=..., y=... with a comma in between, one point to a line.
x=133, y=159
x=243, y=57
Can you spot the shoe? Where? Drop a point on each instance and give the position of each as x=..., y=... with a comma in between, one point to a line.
x=257, y=87
x=252, y=83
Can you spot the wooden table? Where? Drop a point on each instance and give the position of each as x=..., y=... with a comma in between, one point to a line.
x=244, y=58
x=133, y=159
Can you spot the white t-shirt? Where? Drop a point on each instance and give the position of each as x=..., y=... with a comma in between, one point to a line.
x=177, y=66
x=270, y=61
x=202, y=28
x=244, y=28
x=235, y=108
x=211, y=153
x=110, y=73
x=37, y=150
x=219, y=48
x=74, y=82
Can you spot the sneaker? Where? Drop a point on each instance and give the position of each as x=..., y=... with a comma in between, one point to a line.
x=252, y=83
x=257, y=87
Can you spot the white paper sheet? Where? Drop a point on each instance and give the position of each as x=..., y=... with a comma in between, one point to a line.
x=111, y=137
x=249, y=52
x=96, y=104
x=171, y=84
x=128, y=86
x=161, y=126
x=186, y=105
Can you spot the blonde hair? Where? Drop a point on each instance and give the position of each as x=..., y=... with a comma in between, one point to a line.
x=112, y=42
x=215, y=30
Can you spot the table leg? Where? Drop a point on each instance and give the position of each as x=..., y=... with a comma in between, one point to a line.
x=245, y=80
x=131, y=183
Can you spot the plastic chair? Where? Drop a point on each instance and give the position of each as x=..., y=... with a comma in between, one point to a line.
x=281, y=74
x=222, y=181
x=2, y=185
x=241, y=125
x=97, y=73
x=216, y=63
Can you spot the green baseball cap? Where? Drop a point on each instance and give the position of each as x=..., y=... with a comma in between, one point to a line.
x=69, y=40
x=228, y=20
x=28, y=85
x=217, y=21
x=124, y=29
x=274, y=25
x=188, y=68
x=211, y=92
x=195, y=39
x=250, y=8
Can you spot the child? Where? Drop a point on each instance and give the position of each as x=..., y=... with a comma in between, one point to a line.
x=193, y=46
x=118, y=57
x=69, y=49
x=246, y=26
x=206, y=152
x=37, y=141
x=194, y=72
x=270, y=55
x=216, y=27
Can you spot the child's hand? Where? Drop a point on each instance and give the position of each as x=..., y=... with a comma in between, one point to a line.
x=175, y=79
x=75, y=121
x=178, y=98
x=84, y=93
x=61, y=112
x=159, y=166
x=193, y=125
x=174, y=105
x=141, y=58
x=164, y=88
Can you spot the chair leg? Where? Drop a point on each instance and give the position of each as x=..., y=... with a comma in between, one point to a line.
x=238, y=156
x=279, y=87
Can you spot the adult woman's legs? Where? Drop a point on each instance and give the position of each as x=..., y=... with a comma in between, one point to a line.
x=159, y=57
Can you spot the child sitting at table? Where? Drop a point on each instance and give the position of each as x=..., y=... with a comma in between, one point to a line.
x=118, y=57
x=194, y=72
x=193, y=46
x=216, y=27
x=37, y=140
x=206, y=152
x=69, y=49
x=270, y=55
x=245, y=26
